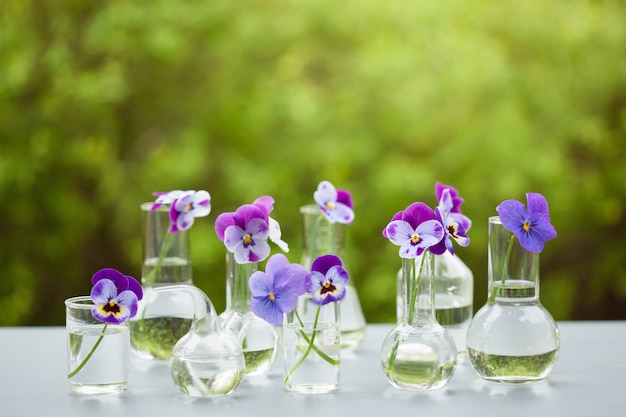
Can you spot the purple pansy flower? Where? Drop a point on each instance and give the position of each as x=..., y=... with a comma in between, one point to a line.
x=418, y=230
x=246, y=236
x=115, y=296
x=276, y=291
x=265, y=204
x=531, y=227
x=455, y=224
x=336, y=204
x=186, y=207
x=327, y=280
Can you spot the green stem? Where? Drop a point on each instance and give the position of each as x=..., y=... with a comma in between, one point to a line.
x=317, y=350
x=309, y=347
x=90, y=354
x=505, y=266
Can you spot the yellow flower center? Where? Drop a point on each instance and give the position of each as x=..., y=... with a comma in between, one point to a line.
x=272, y=297
x=330, y=205
x=247, y=239
x=415, y=239
x=527, y=225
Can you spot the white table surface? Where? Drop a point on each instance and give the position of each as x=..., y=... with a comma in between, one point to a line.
x=589, y=379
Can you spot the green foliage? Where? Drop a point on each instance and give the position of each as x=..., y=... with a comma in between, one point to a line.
x=102, y=103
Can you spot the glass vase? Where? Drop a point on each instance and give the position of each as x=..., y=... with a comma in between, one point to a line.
x=512, y=338
x=321, y=237
x=418, y=353
x=163, y=317
x=259, y=339
x=312, y=347
x=98, y=354
x=454, y=298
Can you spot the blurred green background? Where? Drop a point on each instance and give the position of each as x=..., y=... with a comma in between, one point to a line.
x=104, y=102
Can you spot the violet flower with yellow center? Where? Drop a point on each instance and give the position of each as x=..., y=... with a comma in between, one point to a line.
x=115, y=297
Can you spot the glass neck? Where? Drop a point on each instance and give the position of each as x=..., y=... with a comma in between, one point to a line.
x=237, y=290
x=166, y=256
x=418, y=288
x=320, y=236
x=513, y=270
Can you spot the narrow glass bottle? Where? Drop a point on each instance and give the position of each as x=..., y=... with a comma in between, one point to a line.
x=512, y=338
x=321, y=237
x=162, y=318
x=454, y=297
x=259, y=339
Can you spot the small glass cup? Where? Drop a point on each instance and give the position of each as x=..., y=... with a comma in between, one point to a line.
x=100, y=350
x=312, y=352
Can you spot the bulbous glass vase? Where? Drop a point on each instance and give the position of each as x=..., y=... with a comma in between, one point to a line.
x=454, y=298
x=418, y=353
x=512, y=338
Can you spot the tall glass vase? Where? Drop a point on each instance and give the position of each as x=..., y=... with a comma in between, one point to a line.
x=512, y=338
x=321, y=237
x=163, y=317
x=259, y=339
x=454, y=298
x=418, y=353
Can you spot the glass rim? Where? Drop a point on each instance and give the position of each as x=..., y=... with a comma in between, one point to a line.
x=147, y=206
x=495, y=219
x=310, y=209
x=83, y=302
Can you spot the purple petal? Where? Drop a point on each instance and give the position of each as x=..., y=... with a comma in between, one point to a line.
x=258, y=229
x=323, y=263
x=417, y=213
x=261, y=284
x=119, y=280
x=245, y=213
x=201, y=202
x=324, y=194
x=267, y=309
x=257, y=252
x=185, y=220
x=454, y=194
x=233, y=237
x=512, y=214
x=397, y=216
x=430, y=232
x=341, y=214
x=265, y=203
x=222, y=222
x=135, y=286
x=103, y=291
x=344, y=197
x=399, y=231
x=129, y=300
x=538, y=204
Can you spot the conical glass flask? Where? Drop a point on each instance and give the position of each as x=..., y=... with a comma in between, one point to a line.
x=419, y=353
x=512, y=338
x=321, y=237
x=454, y=298
x=207, y=361
x=162, y=318
x=259, y=339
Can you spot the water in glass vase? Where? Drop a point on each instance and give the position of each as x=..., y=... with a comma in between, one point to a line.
x=106, y=372
x=418, y=366
x=207, y=375
x=171, y=270
x=258, y=361
x=455, y=318
x=521, y=369
x=312, y=374
x=352, y=321
x=155, y=337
